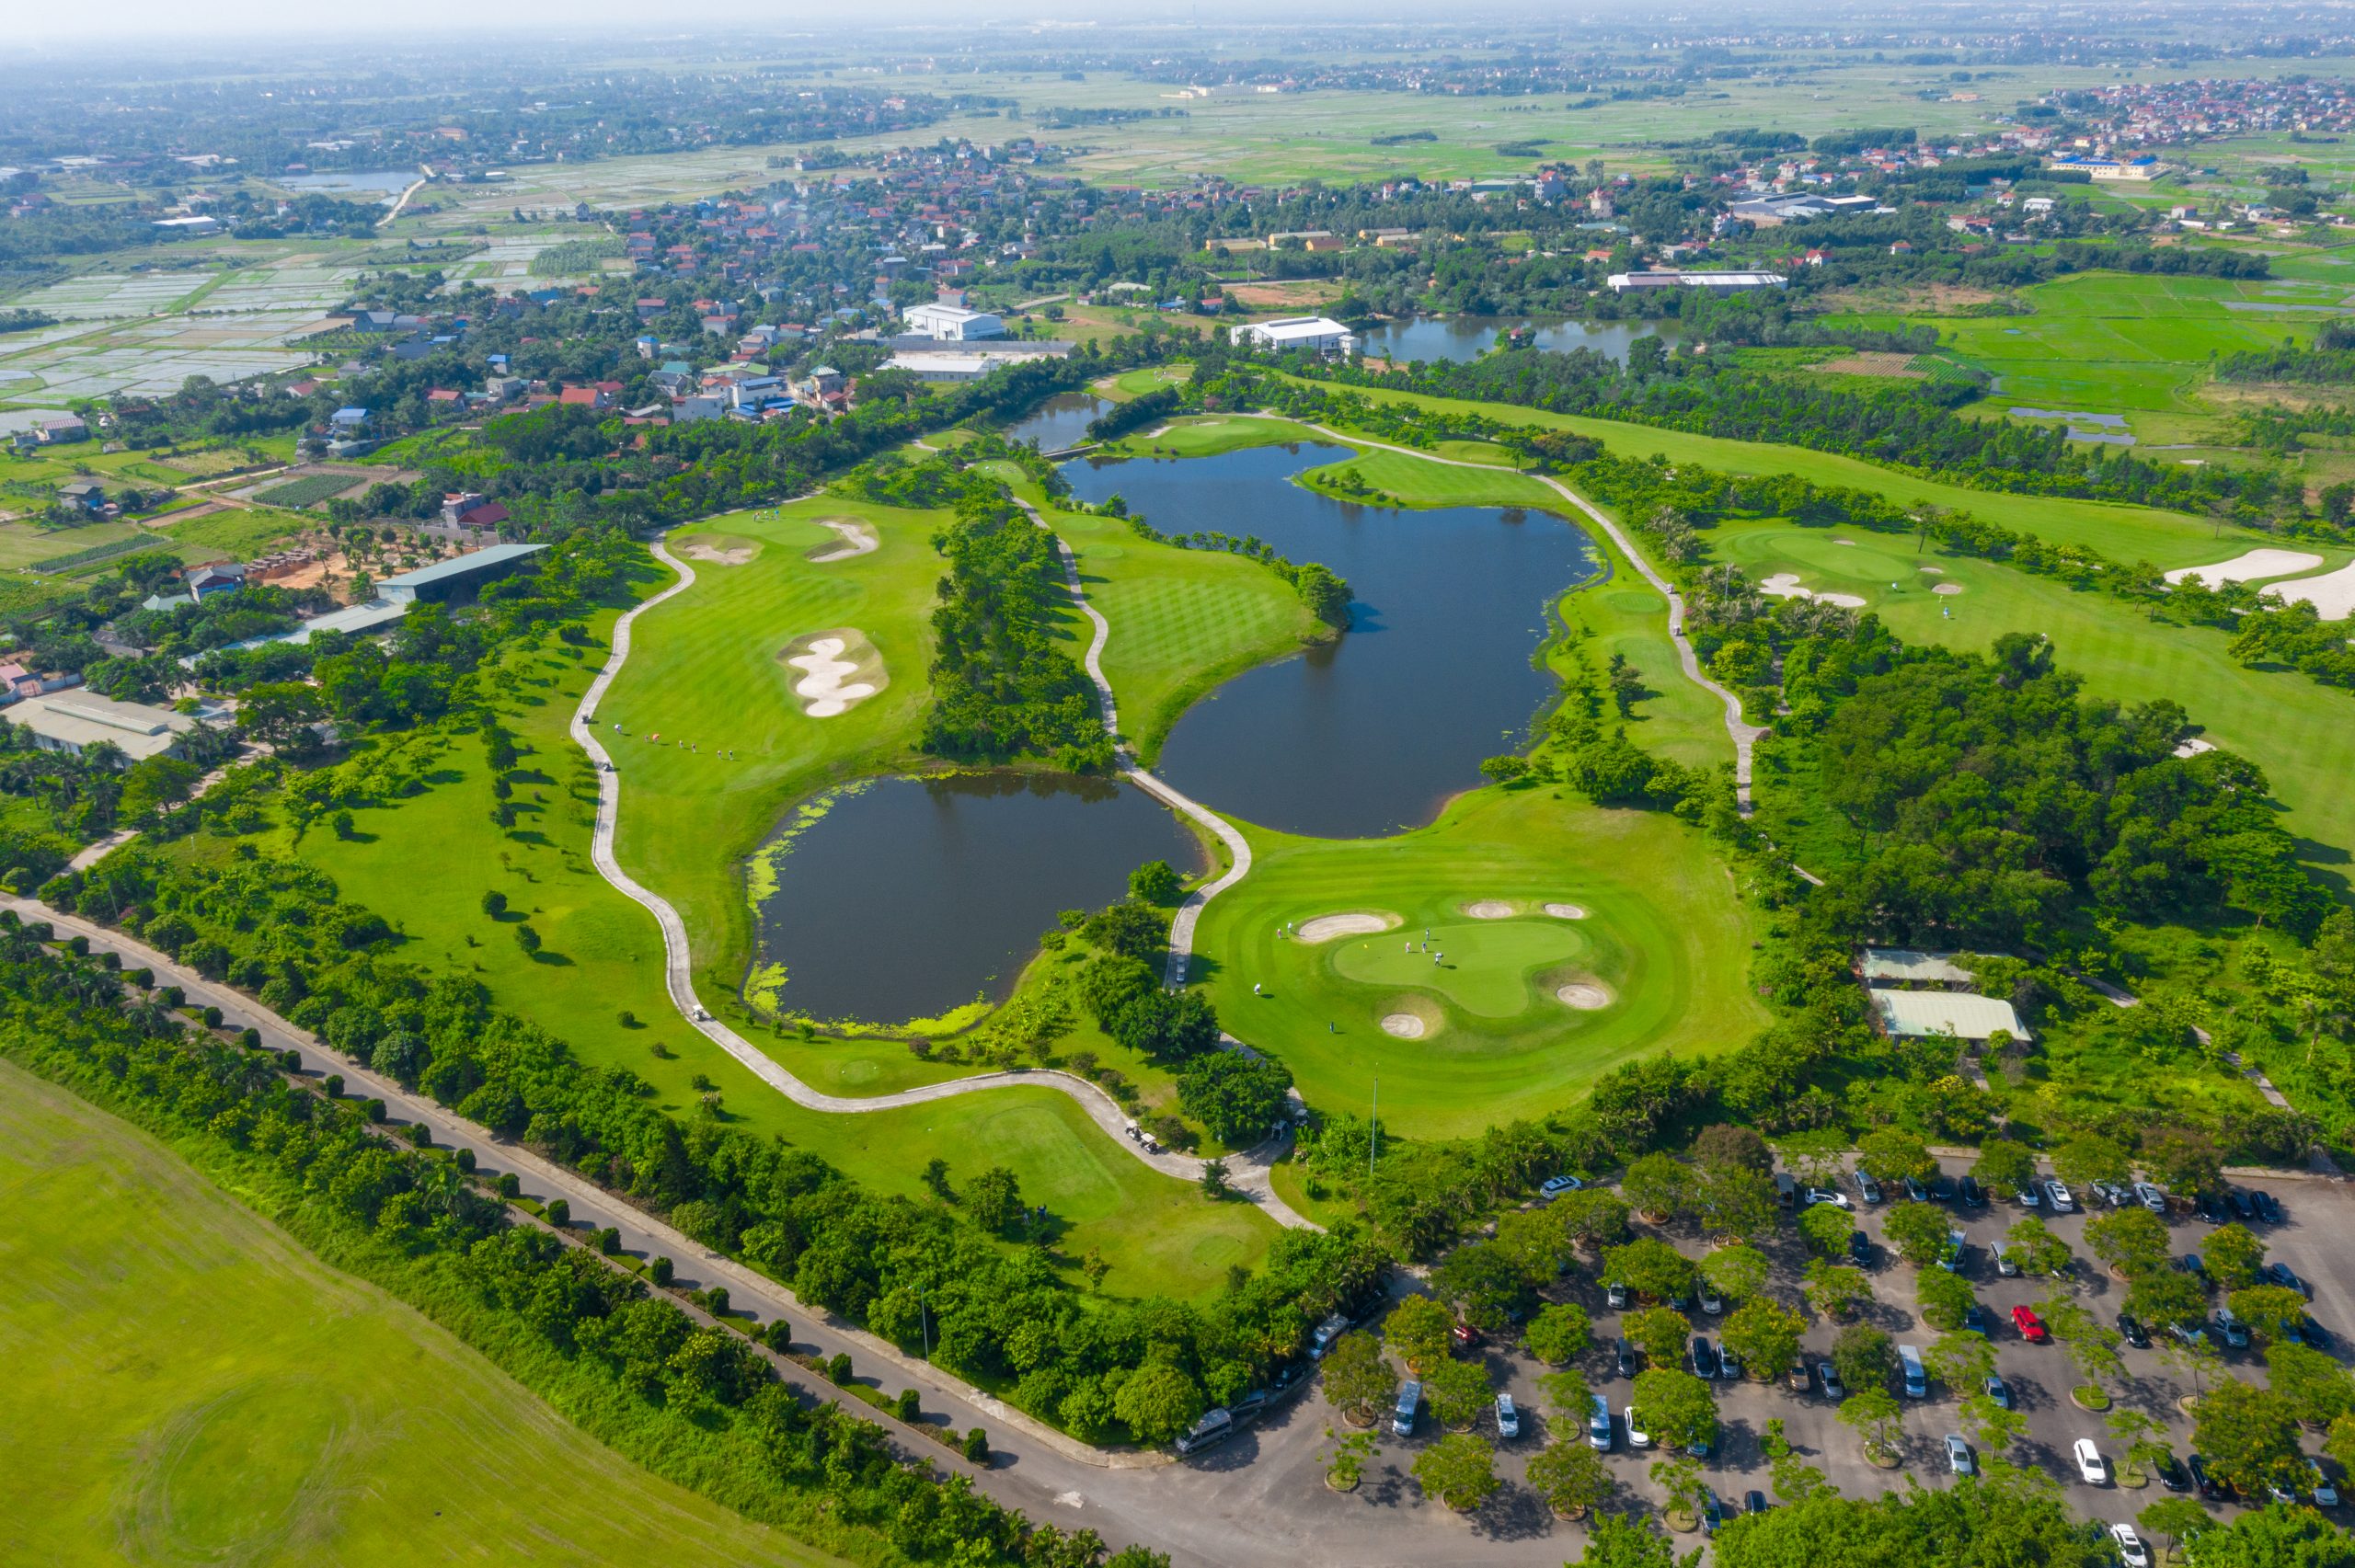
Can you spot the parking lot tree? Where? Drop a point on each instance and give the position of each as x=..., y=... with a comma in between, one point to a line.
x=1945, y=1299
x=1873, y=1415
x=1559, y=1333
x=2201, y=1360
x=1538, y=1241
x=1157, y=1402
x=1652, y=1268
x=2249, y=1436
x=1989, y=1425
x=1571, y=1477
x=1796, y=1481
x=1918, y=1231
x=2276, y=1537
x=1594, y=1219
x=1726, y=1148
x=2089, y=1157
x=2031, y=1247
x=2005, y=1167
x=1353, y=1451
x=2168, y=1298
x=1960, y=1359
x=1623, y=1540
x=1864, y=1355
x=1359, y=1379
x=1826, y=1230
x=2339, y=1442
x=1460, y=1469
x=2134, y=1242
x=1736, y=1273
x=1661, y=1332
x=1765, y=1335
x=1486, y=1283
x=2142, y=1437
x=2183, y=1160
x=1738, y=1202
x=1420, y=1332
x=2317, y=1387
x=2233, y=1256
x=1892, y=1154
x=1676, y=1406
x=2175, y=1519
x=1837, y=1290
x=2269, y=1309
x=1661, y=1187
x=1459, y=1392
x=1569, y=1393
x=1678, y=1476
x=2092, y=1345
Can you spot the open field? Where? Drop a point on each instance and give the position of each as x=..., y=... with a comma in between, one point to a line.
x=187, y=1384
x=1663, y=935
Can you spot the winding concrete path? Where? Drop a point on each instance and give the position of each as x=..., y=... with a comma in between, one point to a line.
x=1247, y=1173
x=1745, y=735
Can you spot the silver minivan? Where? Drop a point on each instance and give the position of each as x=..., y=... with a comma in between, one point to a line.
x=1598, y=1425
x=1410, y=1399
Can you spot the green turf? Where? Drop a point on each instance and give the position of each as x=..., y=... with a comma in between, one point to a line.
x=187, y=1385
x=1487, y=969
x=1664, y=934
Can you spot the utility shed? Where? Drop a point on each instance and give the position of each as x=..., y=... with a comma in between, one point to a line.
x=73, y=721
x=446, y=580
x=1903, y=966
x=1917, y=1015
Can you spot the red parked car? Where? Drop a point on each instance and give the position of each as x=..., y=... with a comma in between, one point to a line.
x=1466, y=1335
x=2031, y=1327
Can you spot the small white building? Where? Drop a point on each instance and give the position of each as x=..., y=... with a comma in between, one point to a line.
x=1908, y=965
x=1919, y=1015
x=952, y=324
x=1316, y=334
x=1724, y=282
x=73, y=721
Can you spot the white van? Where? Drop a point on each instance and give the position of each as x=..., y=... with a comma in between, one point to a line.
x=1410, y=1399
x=1917, y=1382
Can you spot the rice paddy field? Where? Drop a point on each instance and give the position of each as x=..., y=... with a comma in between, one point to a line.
x=187, y=1384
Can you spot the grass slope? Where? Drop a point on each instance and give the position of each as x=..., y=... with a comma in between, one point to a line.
x=187, y=1385
x=1664, y=933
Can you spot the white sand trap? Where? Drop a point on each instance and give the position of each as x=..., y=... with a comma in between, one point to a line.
x=1325, y=928
x=1945, y=587
x=1934, y=571
x=2193, y=747
x=1582, y=997
x=1566, y=911
x=1844, y=601
x=2249, y=567
x=718, y=555
x=1850, y=543
x=2332, y=594
x=1490, y=910
x=858, y=539
x=1786, y=584
x=840, y=670
x=1403, y=1026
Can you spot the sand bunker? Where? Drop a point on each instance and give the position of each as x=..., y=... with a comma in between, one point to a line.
x=720, y=554
x=1325, y=928
x=858, y=539
x=1582, y=996
x=1490, y=910
x=1945, y=587
x=1566, y=911
x=1786, y=584
x=2249, y=567
x=1403, y=1026
x=2332, y=594
x=1850, y=543
x=2193, y=748
x=840, y=670
x=1934, y=571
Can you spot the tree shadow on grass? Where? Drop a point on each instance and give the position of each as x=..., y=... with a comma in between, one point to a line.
x=552, y=959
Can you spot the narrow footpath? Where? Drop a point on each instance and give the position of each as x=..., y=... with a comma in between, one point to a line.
x=1247, y=1173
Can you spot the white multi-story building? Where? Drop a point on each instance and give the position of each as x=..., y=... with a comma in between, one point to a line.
x=952, y=324
x=1318, y=334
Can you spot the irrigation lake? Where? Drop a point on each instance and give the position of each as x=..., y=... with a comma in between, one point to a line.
x=1431, y=337
x=910, y=896
x=1061, y=421
x=1372, y=733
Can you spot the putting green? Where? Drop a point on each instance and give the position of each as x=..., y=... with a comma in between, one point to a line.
x=1483, y=966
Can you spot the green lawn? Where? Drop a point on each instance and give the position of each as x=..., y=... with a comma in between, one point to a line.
x=2303, y=734
x=187, y=1385
x=1663, y=933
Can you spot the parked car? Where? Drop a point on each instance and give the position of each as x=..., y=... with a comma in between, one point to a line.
x=2281, y=1274
x=1713, y=1513
x=1704, y=1359
x=2319, y=1486
x=1867, y=1188
x=2092, y=1468
x=1829, y=1376
x=1802, y=1381
x=2031, y=1327
x=2057, y=1194
x=1860, y=1249
x=1466, y=1335
x=1974, y=1319
x=1729, y=1364
x=1555, y=1186
x=2130, y=1329
x=2005, y=1266
x=2000, y=1391
x=2200, y=1479
x=1326, y=1332
x=2211, y=1207
x=1950, y=1255
x=1711, y=1302
x=2151, y=1197
x=1598, y=1425
x=1814, y=1195
x=1624, y=1354
x=1959, y=1459
x=2185, y=1333
x=1753, y=1501
x=1614, y=1294
x=1942, y=1188
x=2314, y=1335
x=1636, y=1436
x=1508, y=1418
x=1410, y=1400
x=2242, y=1209
x=2192, y=1263
x=2235, y=1332
x=1973, y=1195
x=2031, y=1196
x=1215, y=1427
x=2169, y=1470
x=2266, y=1209
x=1916, y=1191
x=2130, y=1550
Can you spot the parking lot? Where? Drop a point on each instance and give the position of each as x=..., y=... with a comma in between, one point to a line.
x=2317, y=1214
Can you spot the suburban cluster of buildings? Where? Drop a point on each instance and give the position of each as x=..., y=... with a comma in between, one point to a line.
x=2159, y=114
